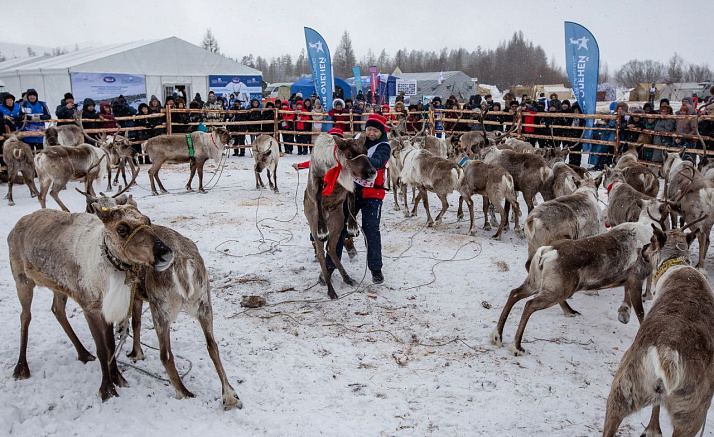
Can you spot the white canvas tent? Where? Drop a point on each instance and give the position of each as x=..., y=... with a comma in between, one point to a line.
x=165, y=63
x=457, y=83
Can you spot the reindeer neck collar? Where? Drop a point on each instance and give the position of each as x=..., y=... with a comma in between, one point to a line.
x=682, y=260
x=214, y=141
x=114, y=260
x=612, y=185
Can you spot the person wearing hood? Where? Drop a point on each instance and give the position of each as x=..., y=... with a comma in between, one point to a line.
x=89, y=113
x=286, y=124
x=142, y=135
x=369, y=196
x=198, y=100
x=339, y=116
x=11, y=112
x=302, y=125
x=255, y=114
x=686, y=127
x=267, y=114
x=357, y=112
x=237, y=117
x=179, y=120
x=121, y=108
x=318, y=115
x=34, y=110
x=576, y=158
x=105, y=114
x=154, y=105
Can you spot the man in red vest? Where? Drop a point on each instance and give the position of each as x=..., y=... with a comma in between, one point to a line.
x=370, y=194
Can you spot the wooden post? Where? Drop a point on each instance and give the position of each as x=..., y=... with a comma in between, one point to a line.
x=518, y=119
x=432, y=125
x=352, y=124
x=168, y=120
x=617, y=135
x=276, y=126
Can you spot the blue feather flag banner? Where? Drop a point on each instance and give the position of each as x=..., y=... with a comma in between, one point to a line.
x=582, y=60
x=321, y=66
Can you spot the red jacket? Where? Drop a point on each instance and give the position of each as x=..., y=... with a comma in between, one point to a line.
x=529, y=118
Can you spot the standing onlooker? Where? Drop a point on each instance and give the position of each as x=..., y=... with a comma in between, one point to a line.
x=11, y=112
x=212, y=104
x=34, y=110
x=475, y=100
x=554, y=102
x=576, y=158
x=121, y=108
x=318, y=115
x=154, y=105
x=663, y=125
x=438, y=117
x=179, y=120
x=301, y=125
x=286, y=124
x=89, y=113
x=653, y=91
x=105, y=114
x=562, y=121
x=237, y=117
x=65, y=110
x=338, y=115
x=686, y=127
x=144, y=134
x=198, y=100
x=255, y=114
x=360, y=96
x=268, y=114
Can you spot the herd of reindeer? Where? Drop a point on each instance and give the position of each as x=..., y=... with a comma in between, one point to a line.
x=119, y=259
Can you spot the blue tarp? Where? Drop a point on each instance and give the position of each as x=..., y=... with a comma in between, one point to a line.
x=387, y=85
x=306, y=86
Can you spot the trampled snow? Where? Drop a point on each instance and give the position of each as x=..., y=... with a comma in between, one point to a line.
x=408, y=357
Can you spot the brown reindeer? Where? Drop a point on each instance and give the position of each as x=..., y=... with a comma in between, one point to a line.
x=96, y=270
x=669, y=363
x=18, y=157
x=495, y=186
x=638, y=175
x=324, y=212
x=58, y=165
x=606, y=260
x=195, y=148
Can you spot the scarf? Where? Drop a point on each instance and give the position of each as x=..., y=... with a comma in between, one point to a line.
x=331, y=176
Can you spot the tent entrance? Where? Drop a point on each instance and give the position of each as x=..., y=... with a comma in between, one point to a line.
x=179, y=90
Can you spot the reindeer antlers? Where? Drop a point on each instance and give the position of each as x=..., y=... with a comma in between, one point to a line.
x=689, y=225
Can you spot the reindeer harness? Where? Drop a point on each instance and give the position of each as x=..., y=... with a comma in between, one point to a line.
x=667, y=265
x=189, y=142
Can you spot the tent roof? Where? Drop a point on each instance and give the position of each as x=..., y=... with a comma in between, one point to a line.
x=168, y=56
x=12, y=64
x=431, y=75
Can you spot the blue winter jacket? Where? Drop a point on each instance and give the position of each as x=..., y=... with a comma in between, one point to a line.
x=35, y=111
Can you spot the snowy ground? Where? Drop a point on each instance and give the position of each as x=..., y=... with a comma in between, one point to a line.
x=383, y=360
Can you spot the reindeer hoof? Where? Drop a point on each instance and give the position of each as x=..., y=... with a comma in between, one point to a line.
x=496, y=236
x=11, y=203
x=331, y=294
x=188, y=188
x=135, y=355
x=396, y=207
x=119, y=380
x=623, y=314
x=202, y=191
x=495, y=338
x=430, y=224
x=487, y=227
x=107, y=391
x=494, y=222
x=22, y=371
x=459, y=217
x=517, y=352
x=86, y=357
x=572, y=314
x=230, y=402
x=164, y=191
x=349, y=281
x=184, y=393
x=276, y=191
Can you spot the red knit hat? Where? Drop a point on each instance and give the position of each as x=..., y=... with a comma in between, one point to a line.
x=377, y=121
x=336, y=131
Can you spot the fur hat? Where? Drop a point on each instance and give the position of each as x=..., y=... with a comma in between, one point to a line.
x=336, y=101
x=377, y=121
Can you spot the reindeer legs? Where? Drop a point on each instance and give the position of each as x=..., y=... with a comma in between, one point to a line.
x=270, y=181
x=25, y=287
x=352, y=228
x=444, y=207
x=200, y=176
x=192, y=167
x=258, y=181
x=163, y=332
x=98, y=326
x=424, y=195
x=154, y=176
x=653, y=429
x=59, y=305
x=540, y=302
x=56, y=188
x=322, y=232
x=516, y=295
x=136, y=352
x=229, y=396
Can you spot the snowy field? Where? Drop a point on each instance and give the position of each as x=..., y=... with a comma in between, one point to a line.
x=408, y=357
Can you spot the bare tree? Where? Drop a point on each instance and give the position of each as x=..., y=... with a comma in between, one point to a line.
x=604, y=75
x=57, y=51
x=698, y=73
x=635, y=72
x=31, y=53
x=344, y=58
x=209, y=42
x=675, y=69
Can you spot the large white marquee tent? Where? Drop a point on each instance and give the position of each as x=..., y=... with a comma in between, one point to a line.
x=164, y=64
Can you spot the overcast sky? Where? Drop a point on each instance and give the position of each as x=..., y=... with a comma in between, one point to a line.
x=625, y=30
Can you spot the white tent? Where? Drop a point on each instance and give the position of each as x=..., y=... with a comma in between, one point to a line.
x=165, y=64
x=443, y=84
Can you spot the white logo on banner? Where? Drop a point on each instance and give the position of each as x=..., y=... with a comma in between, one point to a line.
x=580, y=42
x=317, y=45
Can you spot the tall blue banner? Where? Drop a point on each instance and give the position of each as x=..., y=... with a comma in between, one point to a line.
x=321, y=65
x=358, y=78
x=582, y=60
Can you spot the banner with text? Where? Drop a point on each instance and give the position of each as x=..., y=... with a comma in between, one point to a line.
x=408, y=86
x=582, y=59
x=321, y=65
x=244, y=88
x=358, y=78
x=373, y=83
x=103, y=87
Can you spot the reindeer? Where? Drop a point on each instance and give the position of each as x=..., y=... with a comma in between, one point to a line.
x=339, y=160
x=495, y=186
x=669, y=363
x=395, y=168
x=638, y=175
x=67, y=135
x=266, y=153
x=195, y=148
x=91, y=259
x=572, y=217
x=182, y=286
x=530, y=172
x=429, y=173
x=606, y=260
x=18, y=157
x=59, y=164
x=706, y=167
x=693, y=196
x=517, y=145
